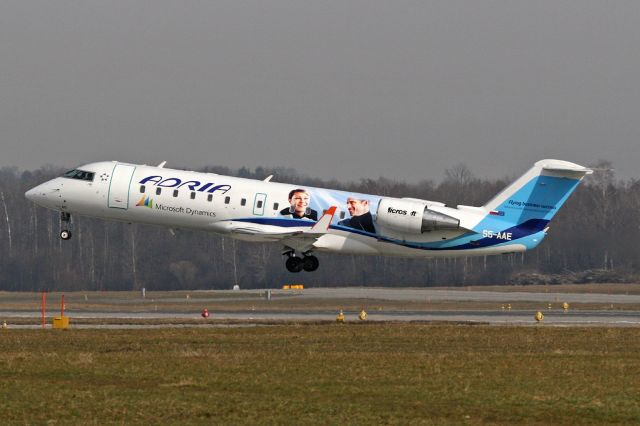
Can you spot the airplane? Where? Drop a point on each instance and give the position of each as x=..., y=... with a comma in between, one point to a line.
x=305, y=220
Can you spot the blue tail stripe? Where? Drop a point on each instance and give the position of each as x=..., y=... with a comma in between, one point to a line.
x=283, y=222
x=463, y=242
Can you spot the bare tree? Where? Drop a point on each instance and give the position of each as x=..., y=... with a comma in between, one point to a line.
x=6, y=216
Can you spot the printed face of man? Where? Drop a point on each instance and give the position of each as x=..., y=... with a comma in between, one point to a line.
x=300, y=202
x=357, y=207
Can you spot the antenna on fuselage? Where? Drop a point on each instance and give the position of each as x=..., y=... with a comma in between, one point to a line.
x=268, y=178
x=161, y=165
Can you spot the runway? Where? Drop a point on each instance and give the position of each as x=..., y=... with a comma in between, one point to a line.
x=459, y=294
x=578, y=318
x=308, y=306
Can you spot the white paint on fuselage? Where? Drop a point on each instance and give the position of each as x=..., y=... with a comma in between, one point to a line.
x=92, y=199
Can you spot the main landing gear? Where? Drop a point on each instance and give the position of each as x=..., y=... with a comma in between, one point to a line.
x=65, y=223
x=307, y=263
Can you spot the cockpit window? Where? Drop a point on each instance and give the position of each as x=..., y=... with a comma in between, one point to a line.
x=79, y=174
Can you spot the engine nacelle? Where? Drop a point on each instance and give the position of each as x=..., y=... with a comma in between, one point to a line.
x=412, y=217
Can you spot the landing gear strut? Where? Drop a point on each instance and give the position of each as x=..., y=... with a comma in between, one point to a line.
x=65, y=223
x=295, y=264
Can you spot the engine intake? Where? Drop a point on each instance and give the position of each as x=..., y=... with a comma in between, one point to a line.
x=412, y=217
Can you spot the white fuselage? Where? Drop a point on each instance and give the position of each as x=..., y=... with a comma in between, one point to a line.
x=306, y=219
x=245, y=209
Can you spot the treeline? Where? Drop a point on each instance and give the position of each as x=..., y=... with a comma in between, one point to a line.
x=593, y=238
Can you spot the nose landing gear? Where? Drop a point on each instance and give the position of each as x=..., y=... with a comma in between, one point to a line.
x=65, y=222
x=295, y=264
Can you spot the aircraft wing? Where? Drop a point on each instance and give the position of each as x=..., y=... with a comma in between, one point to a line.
x=300, y=239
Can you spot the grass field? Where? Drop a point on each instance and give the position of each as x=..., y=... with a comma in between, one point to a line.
x=322, y=374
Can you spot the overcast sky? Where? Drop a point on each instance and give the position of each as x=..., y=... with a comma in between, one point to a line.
x=344, y=89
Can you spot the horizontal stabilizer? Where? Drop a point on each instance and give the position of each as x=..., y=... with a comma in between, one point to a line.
x=560, y=168
x=316, y=231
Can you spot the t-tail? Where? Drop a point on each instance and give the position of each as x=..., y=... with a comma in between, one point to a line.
x=522, y=211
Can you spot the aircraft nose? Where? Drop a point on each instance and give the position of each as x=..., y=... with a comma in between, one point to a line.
x=41, y=194
x=32, y=194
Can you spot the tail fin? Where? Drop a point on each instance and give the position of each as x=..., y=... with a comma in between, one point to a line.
x=538, y=194
x=516, y=219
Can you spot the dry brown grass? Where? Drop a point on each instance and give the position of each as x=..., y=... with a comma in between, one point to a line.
x=322, y=374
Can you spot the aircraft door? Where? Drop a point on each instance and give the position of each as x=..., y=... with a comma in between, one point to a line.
x=259, y=204
x=119, y=186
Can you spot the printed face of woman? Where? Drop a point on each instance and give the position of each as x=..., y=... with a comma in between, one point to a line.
x=300, y=202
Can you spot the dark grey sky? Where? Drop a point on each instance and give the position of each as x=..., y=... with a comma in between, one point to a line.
x=348, y=89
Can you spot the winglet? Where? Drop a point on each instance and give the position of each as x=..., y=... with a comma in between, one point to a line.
x=322, y=225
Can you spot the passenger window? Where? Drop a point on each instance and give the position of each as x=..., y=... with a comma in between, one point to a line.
x=227, y=199
x=210, y=197
x=142, y=189
x=275, y=206
x=175, y=192
x=158, y=191
x=341, y=215
x=259, y=204
x=243, y=202
x=193, y=195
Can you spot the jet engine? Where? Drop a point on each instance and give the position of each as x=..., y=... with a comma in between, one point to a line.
x=412, y=217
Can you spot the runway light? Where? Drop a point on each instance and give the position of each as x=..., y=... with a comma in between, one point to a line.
x=4, y=324
x=509, y=306
x=565, y=306
x=539, y=316
x=205, y=313
x=549, y=306
x=340, y=317
x=363, y=315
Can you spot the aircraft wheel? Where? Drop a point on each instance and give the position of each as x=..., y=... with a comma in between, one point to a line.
x=65, y=235
x=294, y=264
x=310, y=263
